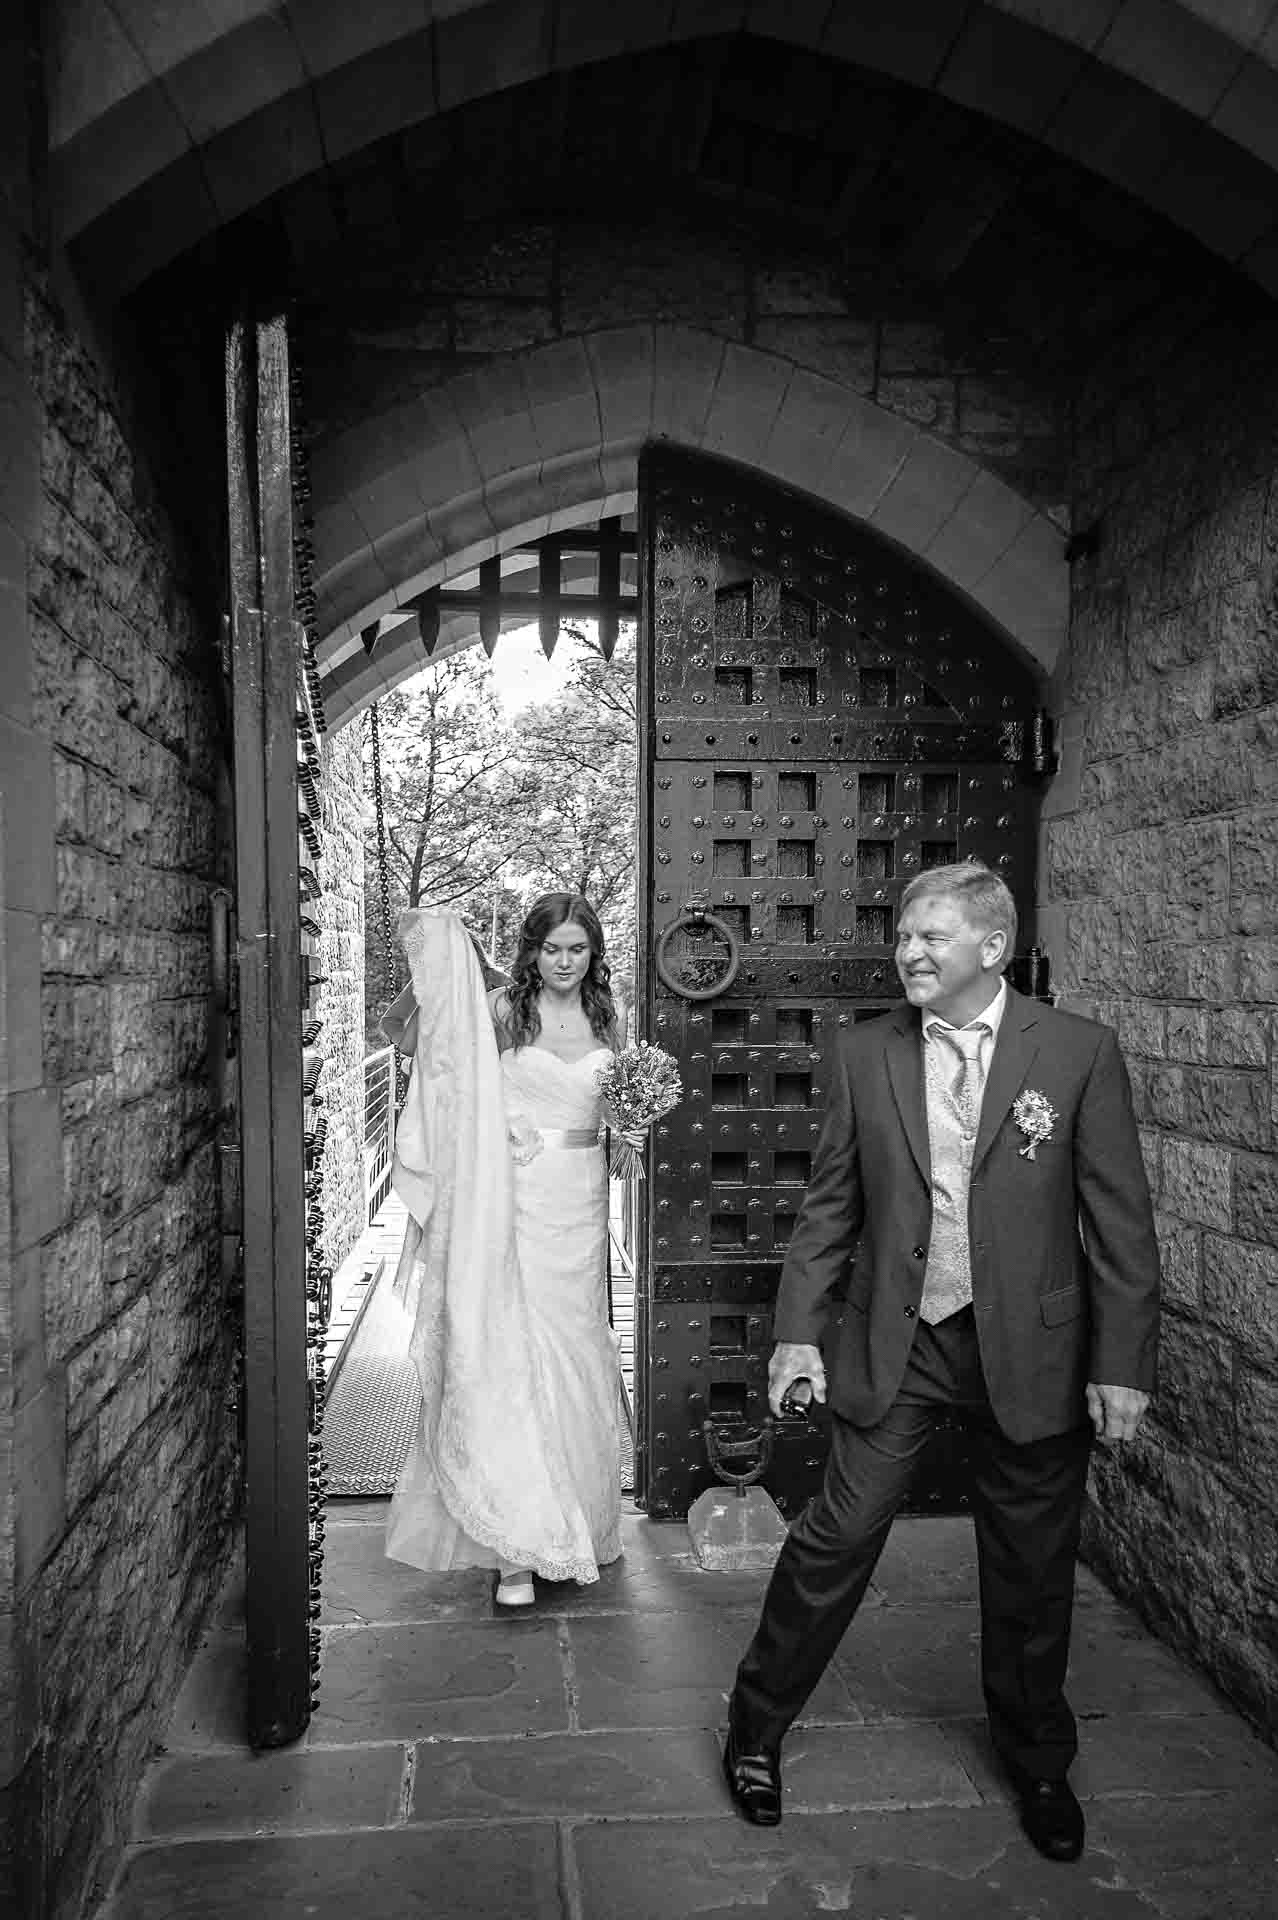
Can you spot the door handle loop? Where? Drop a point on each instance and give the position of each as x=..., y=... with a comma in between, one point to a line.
x=752, y=1446
x=697, y=916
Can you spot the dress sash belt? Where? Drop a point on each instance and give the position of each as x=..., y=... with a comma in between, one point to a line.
x=569, y=1136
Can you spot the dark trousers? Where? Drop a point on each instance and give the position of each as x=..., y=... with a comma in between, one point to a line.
x=1027, y=1502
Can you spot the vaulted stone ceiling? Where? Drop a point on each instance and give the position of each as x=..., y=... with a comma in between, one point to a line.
x=165, y=122
x=857, y=284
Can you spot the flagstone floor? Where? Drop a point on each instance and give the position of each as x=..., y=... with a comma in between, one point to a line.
x=563, y=1765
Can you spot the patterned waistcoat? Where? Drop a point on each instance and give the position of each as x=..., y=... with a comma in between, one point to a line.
x=947, y=1283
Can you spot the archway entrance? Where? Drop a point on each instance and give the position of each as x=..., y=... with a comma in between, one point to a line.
x=820, y=720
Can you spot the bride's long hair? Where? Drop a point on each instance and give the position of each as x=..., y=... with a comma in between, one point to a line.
x=523, y=1021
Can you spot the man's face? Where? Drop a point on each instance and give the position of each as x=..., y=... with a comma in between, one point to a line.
x=947, y=966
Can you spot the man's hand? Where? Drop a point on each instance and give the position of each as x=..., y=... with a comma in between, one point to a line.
x=1116, y=1412
x=792, y=1361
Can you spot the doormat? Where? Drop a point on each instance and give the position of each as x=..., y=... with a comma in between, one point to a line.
x=371, y=1409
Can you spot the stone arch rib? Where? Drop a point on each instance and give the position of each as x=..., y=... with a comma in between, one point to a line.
x=551, y=438
x=180, y=125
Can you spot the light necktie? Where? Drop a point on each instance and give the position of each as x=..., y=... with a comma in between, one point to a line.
x=969, y=1081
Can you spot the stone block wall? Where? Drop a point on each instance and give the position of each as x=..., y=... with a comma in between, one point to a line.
x=494, y=290
x=513, y=372
x=26, y=875
x=341, y=960
x=127, y=1472
x=1160, y=876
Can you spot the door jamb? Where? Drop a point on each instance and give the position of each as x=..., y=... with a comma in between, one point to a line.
x=264, y=652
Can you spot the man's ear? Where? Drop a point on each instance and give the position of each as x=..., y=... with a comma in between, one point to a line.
x=994, y=949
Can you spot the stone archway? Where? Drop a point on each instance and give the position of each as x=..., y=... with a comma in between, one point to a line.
x=550, y=438
x=165, y=126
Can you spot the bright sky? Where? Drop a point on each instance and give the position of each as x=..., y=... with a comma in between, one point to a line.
x=522, y=671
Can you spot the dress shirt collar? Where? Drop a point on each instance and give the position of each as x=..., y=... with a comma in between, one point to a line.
x=990, y=1017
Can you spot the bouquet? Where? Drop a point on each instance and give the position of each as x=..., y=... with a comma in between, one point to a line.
x=639, y=1086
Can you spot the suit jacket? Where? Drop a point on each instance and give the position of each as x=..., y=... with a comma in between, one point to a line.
x=1064, y=1258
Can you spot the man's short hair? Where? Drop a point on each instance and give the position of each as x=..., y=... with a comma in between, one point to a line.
x=984, y=899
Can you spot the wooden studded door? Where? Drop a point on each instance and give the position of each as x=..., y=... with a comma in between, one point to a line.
x=822, y=719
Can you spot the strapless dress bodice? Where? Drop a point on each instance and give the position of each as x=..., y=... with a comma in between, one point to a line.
x=551, y=1092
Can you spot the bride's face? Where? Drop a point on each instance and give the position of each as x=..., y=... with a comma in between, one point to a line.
x=564, y=957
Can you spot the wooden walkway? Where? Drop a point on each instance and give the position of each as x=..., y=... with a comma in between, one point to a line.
x=354, y=1279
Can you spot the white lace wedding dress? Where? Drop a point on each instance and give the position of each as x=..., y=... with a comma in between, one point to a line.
x=515, y=1457
x=561, y=1230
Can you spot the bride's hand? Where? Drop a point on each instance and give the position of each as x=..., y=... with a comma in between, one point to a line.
x=637, y=1136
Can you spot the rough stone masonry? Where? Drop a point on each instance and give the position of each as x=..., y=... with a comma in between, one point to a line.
x=124, y=1342
x=1160, y=877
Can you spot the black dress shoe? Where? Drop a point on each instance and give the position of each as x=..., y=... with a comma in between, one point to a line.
x=754, y=1781
x=1052, y=1818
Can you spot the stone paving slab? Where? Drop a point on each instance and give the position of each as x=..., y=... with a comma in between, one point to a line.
x=927, y=1560
x=410, y=1874
x=659, y=1670
x=1117, y=1666
x=845, y=1769
x=363, y=1586
x=969, y=1863
x=280, y=1792
x=1170, y=1756
x=412, y=1682
x=673, y=1584
x=1123, y=1754
x=899, y=1661
x=1213, y=1859
x=360, y=1586
x=564, y=1764
x=672, y=1772
x=912, y=1662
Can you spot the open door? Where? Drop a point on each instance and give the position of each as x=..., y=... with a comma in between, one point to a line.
x=821, y=720
x=276, y=728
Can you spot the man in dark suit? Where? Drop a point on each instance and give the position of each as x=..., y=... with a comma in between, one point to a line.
x=981, y=1155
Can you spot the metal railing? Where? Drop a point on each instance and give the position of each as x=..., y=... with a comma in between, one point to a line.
x=379, y=1127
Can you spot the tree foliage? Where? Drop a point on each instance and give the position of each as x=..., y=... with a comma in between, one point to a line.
x=457, y=795
x=483, y=812
x=586, y=743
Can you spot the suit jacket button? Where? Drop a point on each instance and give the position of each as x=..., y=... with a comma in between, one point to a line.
x=920, y=1253
x=909, y=1313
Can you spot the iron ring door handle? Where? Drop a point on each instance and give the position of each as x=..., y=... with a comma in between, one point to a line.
x=723, y=1453
x=697, y=917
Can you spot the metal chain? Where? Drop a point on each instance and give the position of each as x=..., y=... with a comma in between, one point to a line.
x=390, y=972
x=319, y=1277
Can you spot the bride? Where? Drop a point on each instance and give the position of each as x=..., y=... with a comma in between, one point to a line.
x=497, y=1157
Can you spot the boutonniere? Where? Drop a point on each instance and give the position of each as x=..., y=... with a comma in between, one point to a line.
x=1035, y=1115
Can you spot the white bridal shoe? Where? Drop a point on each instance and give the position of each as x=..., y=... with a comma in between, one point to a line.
x=515, y=1589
